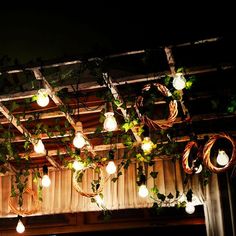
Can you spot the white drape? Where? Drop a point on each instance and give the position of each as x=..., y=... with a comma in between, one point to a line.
x=61, y=197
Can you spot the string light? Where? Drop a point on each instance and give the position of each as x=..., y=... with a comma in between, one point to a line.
x=45, y=180
x=111, y=167
x=42, y=98
x=147, y=145
x=179, y=82
x=99, y=201
x=222, y=158
x=39, y=147
x=143, y=191
x=110, y=123
x=20, y=228
x=198, y=169
x=78, y=165
x=79, y=140
x=190, y=208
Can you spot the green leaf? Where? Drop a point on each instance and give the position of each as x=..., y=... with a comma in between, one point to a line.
x=154, y=190
x=189, y=195
x=154, y=174
x=170, y=196
x=177, y=194
x=160, y=196
x=34, y=98
x=126, y=126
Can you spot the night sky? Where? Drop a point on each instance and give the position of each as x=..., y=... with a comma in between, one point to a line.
x=55, y=32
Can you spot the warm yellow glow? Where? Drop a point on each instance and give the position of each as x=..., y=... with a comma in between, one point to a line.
x=79, y=140
x=78, y=165
x=190, y=208
x=143, y=191
x=222, y=158
x=147, y=145
x=46, y=181
x=39, y=147
x=99, y=201
x=179, y=81
x=111, y=167
x=199, y=169
x=42, y=98
x=110, y=123
x=20, y=228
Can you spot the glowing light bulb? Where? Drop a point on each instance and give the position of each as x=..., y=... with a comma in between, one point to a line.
x=199, y=169
x=147, y=145
x=143, y=191
x=99, y=201
x=179, y=82
x=46, y=181
x=78, y=165
x=42, y=98
x=20, y=228
x=190, y=208
x=110, y=123
x=39, y=147
x=222, y=158
x=79, y=140
x=111, y=167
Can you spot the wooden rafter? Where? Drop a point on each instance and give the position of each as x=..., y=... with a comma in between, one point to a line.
x=171, y=62
x=21, y=128
x=59, y=102
x=119, y=81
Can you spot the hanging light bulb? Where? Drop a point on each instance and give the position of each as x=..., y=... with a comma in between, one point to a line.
x=147, y=145
x=190, y=208
x=179, y=82
x=99, y=201
x=39, y=146
x=78, y=165
x=198, y=169
x=110, y=123
x=79, y=140
x=45, y=180
x=143, y=191
x=222, y=158
x=42, y=97
x=111, y=167
x=20, y=228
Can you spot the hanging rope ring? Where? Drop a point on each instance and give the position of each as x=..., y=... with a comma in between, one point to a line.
x=77, y=186
x=25, y=212
x=185, y=162
x=173, y=108
x=207, y=154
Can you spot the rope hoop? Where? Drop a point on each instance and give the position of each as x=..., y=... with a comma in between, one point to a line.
x=24, y=212
x=186, y=153
x=173, y=109
x=77, y=186
x=207, y=154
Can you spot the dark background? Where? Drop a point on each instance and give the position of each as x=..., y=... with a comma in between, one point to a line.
x=44, y=31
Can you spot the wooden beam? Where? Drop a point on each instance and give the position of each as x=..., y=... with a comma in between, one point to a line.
x=119, y=81
x=20, y=127
x=116, y=96
x=196, y=118
x=13, y=120
x=59, y=102
x=74, y=62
